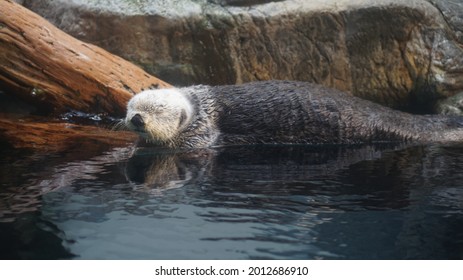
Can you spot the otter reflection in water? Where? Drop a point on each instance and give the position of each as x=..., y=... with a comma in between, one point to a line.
x=156, y=170
x=379, y=176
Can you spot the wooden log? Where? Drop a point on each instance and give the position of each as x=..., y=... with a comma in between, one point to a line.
x=46, y=135
x=55, y=72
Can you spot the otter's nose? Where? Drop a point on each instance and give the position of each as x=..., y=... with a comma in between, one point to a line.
x=137, y=121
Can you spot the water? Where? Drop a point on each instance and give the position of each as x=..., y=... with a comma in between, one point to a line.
x=256, y=202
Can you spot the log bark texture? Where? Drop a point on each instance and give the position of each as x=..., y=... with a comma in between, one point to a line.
x=55, y=72
x=45, y=135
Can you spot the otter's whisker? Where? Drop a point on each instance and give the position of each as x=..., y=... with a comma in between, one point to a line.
x=120, y=125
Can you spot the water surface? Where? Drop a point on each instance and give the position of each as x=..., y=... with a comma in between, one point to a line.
x=254, y=202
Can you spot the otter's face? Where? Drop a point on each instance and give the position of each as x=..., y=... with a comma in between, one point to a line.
x=158, y=115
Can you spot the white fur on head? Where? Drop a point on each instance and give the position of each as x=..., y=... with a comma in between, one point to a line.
x=165, y=113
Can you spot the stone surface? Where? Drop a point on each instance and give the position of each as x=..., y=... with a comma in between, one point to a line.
x=452, y=105
x=404, y=54
x=452, y=10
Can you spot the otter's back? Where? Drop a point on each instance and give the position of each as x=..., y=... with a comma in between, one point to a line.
x=299, y=112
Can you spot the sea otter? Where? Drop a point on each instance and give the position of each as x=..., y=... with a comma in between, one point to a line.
x=276, y=112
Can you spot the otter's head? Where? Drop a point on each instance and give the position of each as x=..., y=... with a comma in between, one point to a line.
x=159, y=115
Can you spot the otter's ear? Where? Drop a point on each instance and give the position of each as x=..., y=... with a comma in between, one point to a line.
x=183, y=118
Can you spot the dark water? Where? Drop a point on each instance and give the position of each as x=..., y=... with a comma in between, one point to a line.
x=272, y=202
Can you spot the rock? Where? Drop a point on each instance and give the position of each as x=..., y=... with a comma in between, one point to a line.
x=452, y=10
x=403, y=54
x=452, y=105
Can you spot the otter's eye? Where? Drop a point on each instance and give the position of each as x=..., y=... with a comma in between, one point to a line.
x=182, y=118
